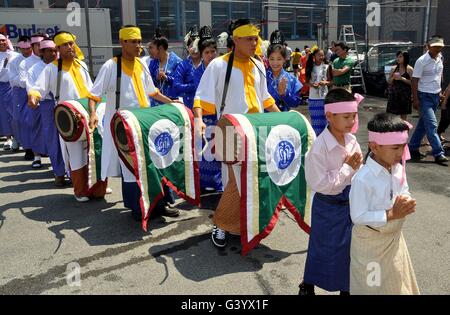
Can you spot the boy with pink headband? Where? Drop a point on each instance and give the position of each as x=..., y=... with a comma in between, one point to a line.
x=330, y=165
x=379, y=202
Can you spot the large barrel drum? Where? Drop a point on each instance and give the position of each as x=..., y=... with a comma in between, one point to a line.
x=69, y=122
x=157, y=145
x=270, y=150
x=72, y=119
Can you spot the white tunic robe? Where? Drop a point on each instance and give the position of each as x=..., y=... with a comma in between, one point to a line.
x=106, y=84
x=4, y=71
x=74, y=153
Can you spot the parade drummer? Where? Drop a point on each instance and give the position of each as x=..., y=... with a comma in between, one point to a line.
x=246, y=93
x=136, y=90
x=75, y=83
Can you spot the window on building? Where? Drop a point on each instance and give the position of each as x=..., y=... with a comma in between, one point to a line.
x=175, y=17
x=354, y=13
x=300, y=21
x=191, y=15
x=17, y=4
x=146, y=19
x=222, y=12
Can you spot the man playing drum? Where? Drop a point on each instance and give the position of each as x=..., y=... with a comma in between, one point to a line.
x=247, y=93
x=136, y=86
x=74, y=83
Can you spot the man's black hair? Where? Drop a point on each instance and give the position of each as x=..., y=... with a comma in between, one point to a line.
x=23, y=38
x=342, y=45
x=238, y=23
x=161, y=42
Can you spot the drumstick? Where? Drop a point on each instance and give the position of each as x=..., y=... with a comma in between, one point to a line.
x=206, y=144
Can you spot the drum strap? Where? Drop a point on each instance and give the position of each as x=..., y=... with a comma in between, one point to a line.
x=227, y=82
x=259, y=69
x=118, y=80
x=58, y=80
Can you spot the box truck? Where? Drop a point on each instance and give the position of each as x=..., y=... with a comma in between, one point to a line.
x=15, y=22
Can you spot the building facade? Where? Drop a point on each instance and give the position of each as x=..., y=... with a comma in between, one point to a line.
x=302, y=21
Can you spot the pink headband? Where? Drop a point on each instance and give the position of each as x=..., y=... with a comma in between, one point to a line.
x=48, y=44
x=347, y=107
x=24, y=45
x=393, y=138
x=36, y=39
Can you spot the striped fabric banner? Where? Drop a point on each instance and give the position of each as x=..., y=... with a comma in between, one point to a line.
x=161, y=152
x=272, y=173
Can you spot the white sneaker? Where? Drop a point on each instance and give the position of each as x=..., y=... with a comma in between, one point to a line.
x=109, y=191
x=15, y=145
x=8, y=144
x=82, y=199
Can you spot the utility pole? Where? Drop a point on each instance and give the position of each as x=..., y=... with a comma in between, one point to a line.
x=427, y=22
x=88, y=30
x=366, y=56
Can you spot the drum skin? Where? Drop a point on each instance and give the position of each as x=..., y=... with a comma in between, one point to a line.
x=69, y=123
x=121, y=140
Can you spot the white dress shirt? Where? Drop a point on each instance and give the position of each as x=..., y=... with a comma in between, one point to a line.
x=373, y=193
x=429, y=71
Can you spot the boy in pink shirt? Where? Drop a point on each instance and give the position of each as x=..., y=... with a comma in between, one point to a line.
x=330, y=165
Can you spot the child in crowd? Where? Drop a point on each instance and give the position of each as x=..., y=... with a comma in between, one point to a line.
x=379, y=203
x=330, y=165
x=283, y=86
x=318, y=77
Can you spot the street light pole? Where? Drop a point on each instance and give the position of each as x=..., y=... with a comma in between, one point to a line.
x=427, y=22
x=88, y=30
x=366, y=56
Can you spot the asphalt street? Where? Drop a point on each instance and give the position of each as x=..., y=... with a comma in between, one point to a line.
x=44, y=233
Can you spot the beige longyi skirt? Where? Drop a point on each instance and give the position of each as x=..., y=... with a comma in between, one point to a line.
x=380, y=262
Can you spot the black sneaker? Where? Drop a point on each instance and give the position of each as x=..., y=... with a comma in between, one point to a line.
x=36, y=164
x=306, y=289
x=29, y=155
x=170, y=212
x=441, y=160
x=417, y=155
x=165, y=212
x=219, y=237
